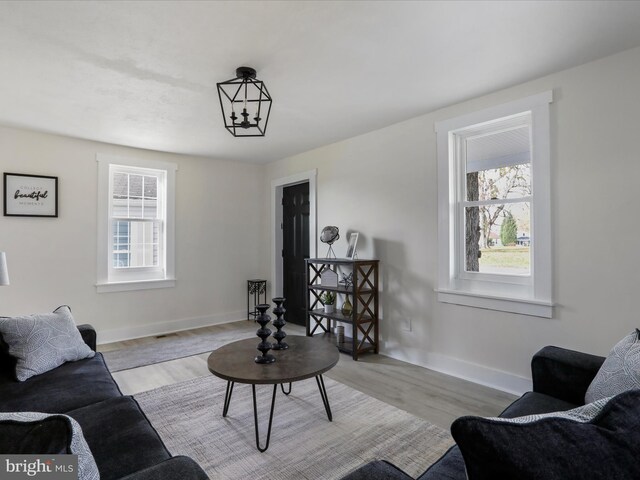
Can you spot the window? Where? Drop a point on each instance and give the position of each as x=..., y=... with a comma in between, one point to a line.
x=494, y=208
x=135, y=231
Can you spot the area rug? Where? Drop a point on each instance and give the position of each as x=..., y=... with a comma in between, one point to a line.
x=304, y=444
x=171, y=348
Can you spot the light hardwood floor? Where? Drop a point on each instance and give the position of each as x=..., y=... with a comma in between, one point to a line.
x=436, y=397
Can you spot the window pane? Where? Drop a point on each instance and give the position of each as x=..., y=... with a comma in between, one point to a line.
x=500, y=145
x=120, y=260
x=513, y=181
x=498, y=163
x=144, y=255
x=120, y=207
x=497, y=239
x=135, y=207
x=135, y=185
x=150, y=187
x=150, y=208
x=120, y=185
x=143, y=247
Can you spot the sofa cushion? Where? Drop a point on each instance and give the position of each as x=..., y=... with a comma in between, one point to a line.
x=179, y=467
x=42, y=342
x=553, y=447
x=532, y=403
x=72, y=385
x=619, y=372
x=51, y=435
x=121, y=437
x=377, y=470
x=449, y=467
x=56, y=434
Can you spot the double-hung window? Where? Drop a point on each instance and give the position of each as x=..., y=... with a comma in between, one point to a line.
x=135, y=234
x=494, y=208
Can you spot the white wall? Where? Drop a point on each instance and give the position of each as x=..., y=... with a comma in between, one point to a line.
x=384, y=185
x=52, y=261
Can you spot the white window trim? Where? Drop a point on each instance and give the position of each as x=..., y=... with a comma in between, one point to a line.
x=535, y=299
x=103, y=284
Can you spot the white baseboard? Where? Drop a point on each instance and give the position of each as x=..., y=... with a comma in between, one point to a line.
x=472, y=372
x=483, y=375
x=161, y=328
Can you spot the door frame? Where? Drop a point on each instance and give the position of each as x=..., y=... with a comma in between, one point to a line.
x=277, y=186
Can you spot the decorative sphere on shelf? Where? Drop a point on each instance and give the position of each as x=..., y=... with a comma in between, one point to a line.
x=329, y=235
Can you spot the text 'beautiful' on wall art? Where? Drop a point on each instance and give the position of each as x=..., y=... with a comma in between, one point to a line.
x=30, y=195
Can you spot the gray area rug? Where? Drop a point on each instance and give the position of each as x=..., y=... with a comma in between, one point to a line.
x=304, y=444
x=172, y=347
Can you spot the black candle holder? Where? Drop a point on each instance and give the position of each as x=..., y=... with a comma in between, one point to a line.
x=279, y=322
x=264, y=333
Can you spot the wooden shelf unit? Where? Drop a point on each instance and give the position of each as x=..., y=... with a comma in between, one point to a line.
x=364, y=297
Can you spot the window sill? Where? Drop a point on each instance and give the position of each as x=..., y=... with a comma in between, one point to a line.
x=137, y=285
x=536, y=308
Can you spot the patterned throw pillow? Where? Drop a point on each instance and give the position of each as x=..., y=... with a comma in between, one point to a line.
x=87, y=469
x=42, y=342
x=619, y=372
x=582, y=414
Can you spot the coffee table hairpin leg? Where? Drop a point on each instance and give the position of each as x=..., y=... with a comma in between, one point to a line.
x=282, y=388
x=227, y=398
x=255, y=417
x=325, y=397
x=227, y=402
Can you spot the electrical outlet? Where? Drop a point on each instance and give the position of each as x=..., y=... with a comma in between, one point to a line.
x=406, y=324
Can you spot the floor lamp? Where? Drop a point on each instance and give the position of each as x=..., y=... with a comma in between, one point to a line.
x=4, y=273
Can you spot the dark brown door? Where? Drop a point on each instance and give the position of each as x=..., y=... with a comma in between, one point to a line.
x=295, y=242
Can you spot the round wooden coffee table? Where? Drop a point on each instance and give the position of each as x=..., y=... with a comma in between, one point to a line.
x=306, y=357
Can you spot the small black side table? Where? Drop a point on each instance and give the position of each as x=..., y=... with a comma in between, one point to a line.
x=255, y=287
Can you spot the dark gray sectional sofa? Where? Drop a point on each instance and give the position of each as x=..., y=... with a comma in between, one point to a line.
x=560, y=380
x=123, y=442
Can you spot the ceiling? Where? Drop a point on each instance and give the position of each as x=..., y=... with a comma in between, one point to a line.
x=144, y=74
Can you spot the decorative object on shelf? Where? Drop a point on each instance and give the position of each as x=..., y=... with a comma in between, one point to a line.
x=255, y=288
x=329, y=278
x=347, y=308
x=250, y=98
x=347, y=281
x=279, y=322
x=263, y=332
x=328, y=299
x=30, y=195
x=339, y=334
x=351, y=249
x=4, y=271
x=330, y=235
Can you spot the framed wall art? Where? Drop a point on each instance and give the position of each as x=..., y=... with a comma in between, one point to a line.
x=353, y=242
x=30, y=195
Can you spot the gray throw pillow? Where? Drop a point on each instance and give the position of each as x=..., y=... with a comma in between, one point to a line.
x=87, y=468
x=619, y=372
x=582, y=414
x=42, y=342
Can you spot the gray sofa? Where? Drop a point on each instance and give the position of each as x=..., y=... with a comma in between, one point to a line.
x=560, y=380
x=122, y=440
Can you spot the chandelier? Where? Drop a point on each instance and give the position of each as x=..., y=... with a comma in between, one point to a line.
x=245, y=104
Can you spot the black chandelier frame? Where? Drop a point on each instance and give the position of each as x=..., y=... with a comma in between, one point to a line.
x=238, y=95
